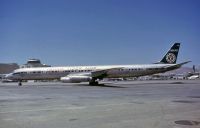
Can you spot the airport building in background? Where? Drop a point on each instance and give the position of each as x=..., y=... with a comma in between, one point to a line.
x=34, y=63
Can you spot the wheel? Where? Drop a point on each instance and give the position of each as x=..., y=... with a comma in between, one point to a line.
x=20, y=83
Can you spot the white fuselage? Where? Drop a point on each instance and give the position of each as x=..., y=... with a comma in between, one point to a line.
x=43, y=73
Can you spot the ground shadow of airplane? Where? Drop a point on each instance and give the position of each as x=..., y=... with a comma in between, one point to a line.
x=104, y=85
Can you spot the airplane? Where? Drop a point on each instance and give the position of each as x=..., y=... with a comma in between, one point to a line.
x=193, y=77
x=92, y=74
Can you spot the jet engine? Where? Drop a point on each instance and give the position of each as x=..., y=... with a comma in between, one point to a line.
x=75, y=79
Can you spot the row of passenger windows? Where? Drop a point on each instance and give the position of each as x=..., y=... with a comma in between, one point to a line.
x=74, y=71
x=39, y=72
x=139, y=69
x=132, y=69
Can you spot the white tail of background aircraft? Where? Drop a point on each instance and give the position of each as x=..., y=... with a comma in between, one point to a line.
x=77, y=74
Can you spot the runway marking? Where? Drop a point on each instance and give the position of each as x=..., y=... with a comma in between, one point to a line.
x=65, y=107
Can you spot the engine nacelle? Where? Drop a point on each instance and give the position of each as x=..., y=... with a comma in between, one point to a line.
x=75, y=79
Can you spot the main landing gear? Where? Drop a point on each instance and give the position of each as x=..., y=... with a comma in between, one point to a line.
x=93, y=82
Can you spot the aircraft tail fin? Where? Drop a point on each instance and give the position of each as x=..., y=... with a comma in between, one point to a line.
x=172, y=54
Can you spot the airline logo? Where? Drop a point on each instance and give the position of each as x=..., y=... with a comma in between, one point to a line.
x=171, y=58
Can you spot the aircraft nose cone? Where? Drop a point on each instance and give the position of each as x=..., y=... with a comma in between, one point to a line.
x=9, y=76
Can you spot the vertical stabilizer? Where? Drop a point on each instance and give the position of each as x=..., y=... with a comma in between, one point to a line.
x=172, y=54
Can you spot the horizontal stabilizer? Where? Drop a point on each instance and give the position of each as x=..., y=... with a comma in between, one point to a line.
x=178, y=65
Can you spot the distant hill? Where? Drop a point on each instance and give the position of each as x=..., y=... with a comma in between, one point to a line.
x=8, y=67
x=182, y=70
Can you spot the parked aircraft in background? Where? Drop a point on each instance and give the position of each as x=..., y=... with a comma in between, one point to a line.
x=193, y=77
x=91, y=74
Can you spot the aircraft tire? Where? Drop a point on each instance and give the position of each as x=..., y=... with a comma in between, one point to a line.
x=20, y=83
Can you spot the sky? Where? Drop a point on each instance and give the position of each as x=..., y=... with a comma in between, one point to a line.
x=98, y=32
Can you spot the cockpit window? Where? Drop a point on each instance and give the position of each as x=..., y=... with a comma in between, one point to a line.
x=16, y=73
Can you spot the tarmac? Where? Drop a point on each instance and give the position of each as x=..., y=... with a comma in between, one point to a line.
x=131, y=104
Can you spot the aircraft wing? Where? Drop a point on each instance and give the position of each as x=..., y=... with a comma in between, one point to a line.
x=102, y=73
x=95, y=74
x=87, y=76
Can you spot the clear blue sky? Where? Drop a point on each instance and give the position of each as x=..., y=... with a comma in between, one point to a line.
x=98, y=32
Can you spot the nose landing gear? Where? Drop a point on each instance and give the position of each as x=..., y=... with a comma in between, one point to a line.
x=20, y=83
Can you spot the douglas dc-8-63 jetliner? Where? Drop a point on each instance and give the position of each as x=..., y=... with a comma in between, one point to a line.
x=91, y=74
